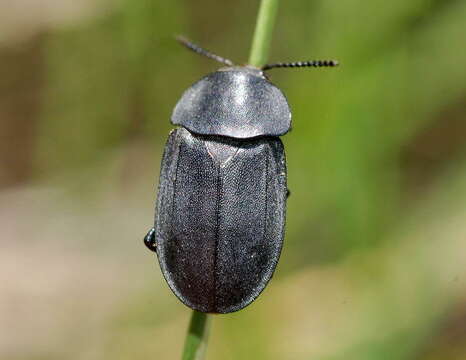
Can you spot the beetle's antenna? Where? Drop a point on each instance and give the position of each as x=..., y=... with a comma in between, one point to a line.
x=201, y=51
x=313, y=63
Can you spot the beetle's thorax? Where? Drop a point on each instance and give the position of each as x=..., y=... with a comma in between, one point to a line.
x=237, y=102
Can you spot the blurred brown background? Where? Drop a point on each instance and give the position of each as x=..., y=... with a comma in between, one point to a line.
x=374, y=263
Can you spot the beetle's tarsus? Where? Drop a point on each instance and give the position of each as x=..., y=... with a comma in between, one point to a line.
x=288, y=193
x=149, y=240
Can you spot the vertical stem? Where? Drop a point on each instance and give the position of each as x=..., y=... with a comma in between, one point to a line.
x=196, y=339
x=263, y=33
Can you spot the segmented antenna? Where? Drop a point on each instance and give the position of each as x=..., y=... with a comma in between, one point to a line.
x=197, y=49
x=313, y=63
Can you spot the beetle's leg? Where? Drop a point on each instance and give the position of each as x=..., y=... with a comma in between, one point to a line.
x=149, y=240
x=288, y=193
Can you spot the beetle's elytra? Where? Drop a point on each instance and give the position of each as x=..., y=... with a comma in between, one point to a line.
x=220, y=210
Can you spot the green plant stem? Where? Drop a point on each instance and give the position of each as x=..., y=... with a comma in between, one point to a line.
x=196, y=339
x=263, y=33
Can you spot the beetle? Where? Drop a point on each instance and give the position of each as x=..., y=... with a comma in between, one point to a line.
x=220, y=209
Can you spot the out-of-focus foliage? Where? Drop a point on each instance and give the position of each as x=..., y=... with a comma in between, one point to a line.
x=374, y=263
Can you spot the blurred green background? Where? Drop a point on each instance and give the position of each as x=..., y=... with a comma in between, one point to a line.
x=374, y=262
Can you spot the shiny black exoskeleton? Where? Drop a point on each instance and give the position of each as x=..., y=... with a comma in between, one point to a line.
x=220, y=211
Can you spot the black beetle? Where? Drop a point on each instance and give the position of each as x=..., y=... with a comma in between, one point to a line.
x=220, y=211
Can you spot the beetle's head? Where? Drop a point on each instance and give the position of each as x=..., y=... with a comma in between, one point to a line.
x=252, y=69
x=245, y=69
x=235, y=101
